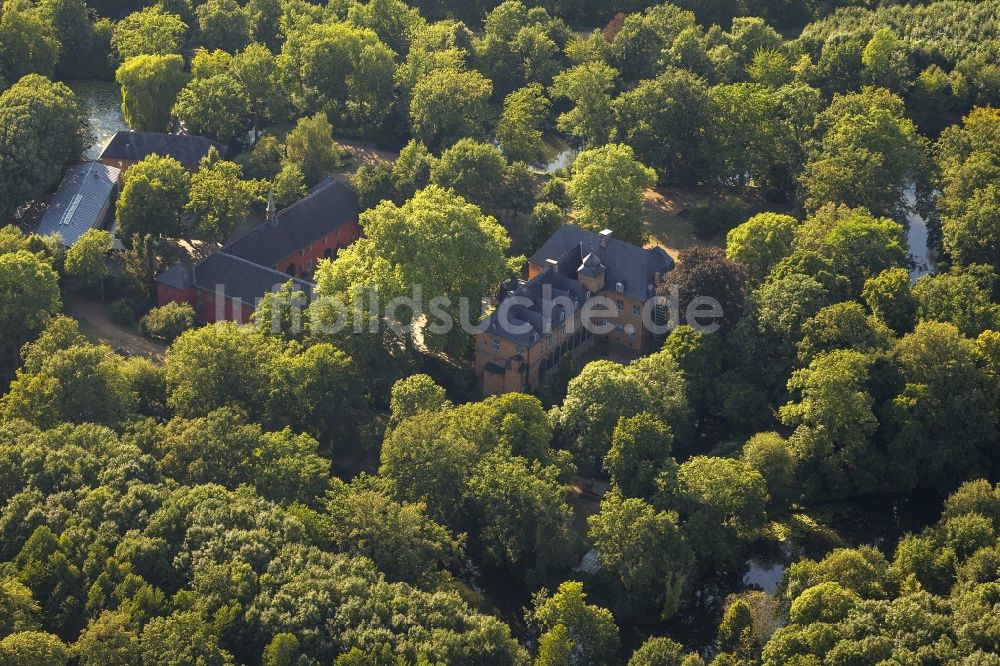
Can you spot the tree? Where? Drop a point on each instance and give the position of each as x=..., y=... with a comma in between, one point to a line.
x=855, y=244
x=521, y=515
x=28, y=44
x=842, y=326
x=399, y=537
x=289, y=185
x=43, y=134
x=222, y=365
x=522, y=123
x=886, y=62
x=314, y=391
x=342, y=70
x=555, y=647
x=705, y=272
x=428, y=463
x=760, y=243
x=311, y=147
x=834, y=420
x=168, y=321
x=588, y=87
x=223, y=24
x=447, y=105
x=869, y=153
x=645, y=551
x=889, y=298
x=607, y=190
x=658, y=651
x=435, y=240
x=591, y=628
x=960, y=297
x=218, y=199
x=415, y=394
x=967, y=158
x=545, y=220
x=668, y=121
x=214, y=106
x=150, y=31
x=771, y=456
x=155, y=190
x=181, y=638
x=150, y=83
x=473, y=171
x=723, y=502
x=85, y=263
x=33, y=648
x=596, y=399
x=639, y=455
x=940, y=432
x=29, y=296
x=109, y=641
x=256, y=70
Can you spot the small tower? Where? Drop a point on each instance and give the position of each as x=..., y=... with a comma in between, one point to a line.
x=272, y=210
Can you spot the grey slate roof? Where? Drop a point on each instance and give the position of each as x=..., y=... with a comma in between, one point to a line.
x=241, y=278
x=633, y=266
x=547, y=292
x=132, y=146
x=80, y=203
x=327, y=207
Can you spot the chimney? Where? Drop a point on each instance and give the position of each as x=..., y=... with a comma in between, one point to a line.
x=606, y=236
x=272, y=210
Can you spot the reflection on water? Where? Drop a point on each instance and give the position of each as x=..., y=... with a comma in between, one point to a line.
x=917, y=239
x=557, y=154
x=101, y=103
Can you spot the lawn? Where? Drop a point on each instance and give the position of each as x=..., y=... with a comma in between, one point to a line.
x=667, y=214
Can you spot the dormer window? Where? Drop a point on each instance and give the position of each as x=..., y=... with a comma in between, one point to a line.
x=620, y=288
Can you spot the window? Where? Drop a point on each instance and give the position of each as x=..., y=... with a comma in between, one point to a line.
x=620, y=288
x=496, y=343
x=635, y=311
x=621, y=305
x=619, y=328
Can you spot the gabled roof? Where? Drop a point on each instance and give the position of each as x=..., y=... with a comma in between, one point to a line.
x=241, y=278
x=132, y=146
x=541, y=309
x=327, y=207
x=79, y=203
x=633, y=266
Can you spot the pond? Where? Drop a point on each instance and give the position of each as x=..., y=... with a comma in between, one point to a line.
x=101, y=102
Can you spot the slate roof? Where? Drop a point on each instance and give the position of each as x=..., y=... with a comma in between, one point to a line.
x=242, y=279
x=548, y=292
x=132, y=146
x=80, y=202
x=633, y=266
x=327, y=207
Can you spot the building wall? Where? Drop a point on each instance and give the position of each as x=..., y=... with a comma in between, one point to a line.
x=166, y=294
x=303, y=261
x=206, y=312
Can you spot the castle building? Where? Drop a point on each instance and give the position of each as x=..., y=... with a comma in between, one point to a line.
x=582, y=289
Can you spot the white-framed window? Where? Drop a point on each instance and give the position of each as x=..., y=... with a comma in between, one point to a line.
x=496, y=343
x=620, y=288
x=621, y=305
x=635, y=311
x=620, y=328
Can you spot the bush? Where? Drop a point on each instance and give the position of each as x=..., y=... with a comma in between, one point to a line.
x=167, y=322
x=122, y=313
x=709, y=220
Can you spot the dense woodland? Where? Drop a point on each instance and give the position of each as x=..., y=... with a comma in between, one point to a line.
x=209, y=510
